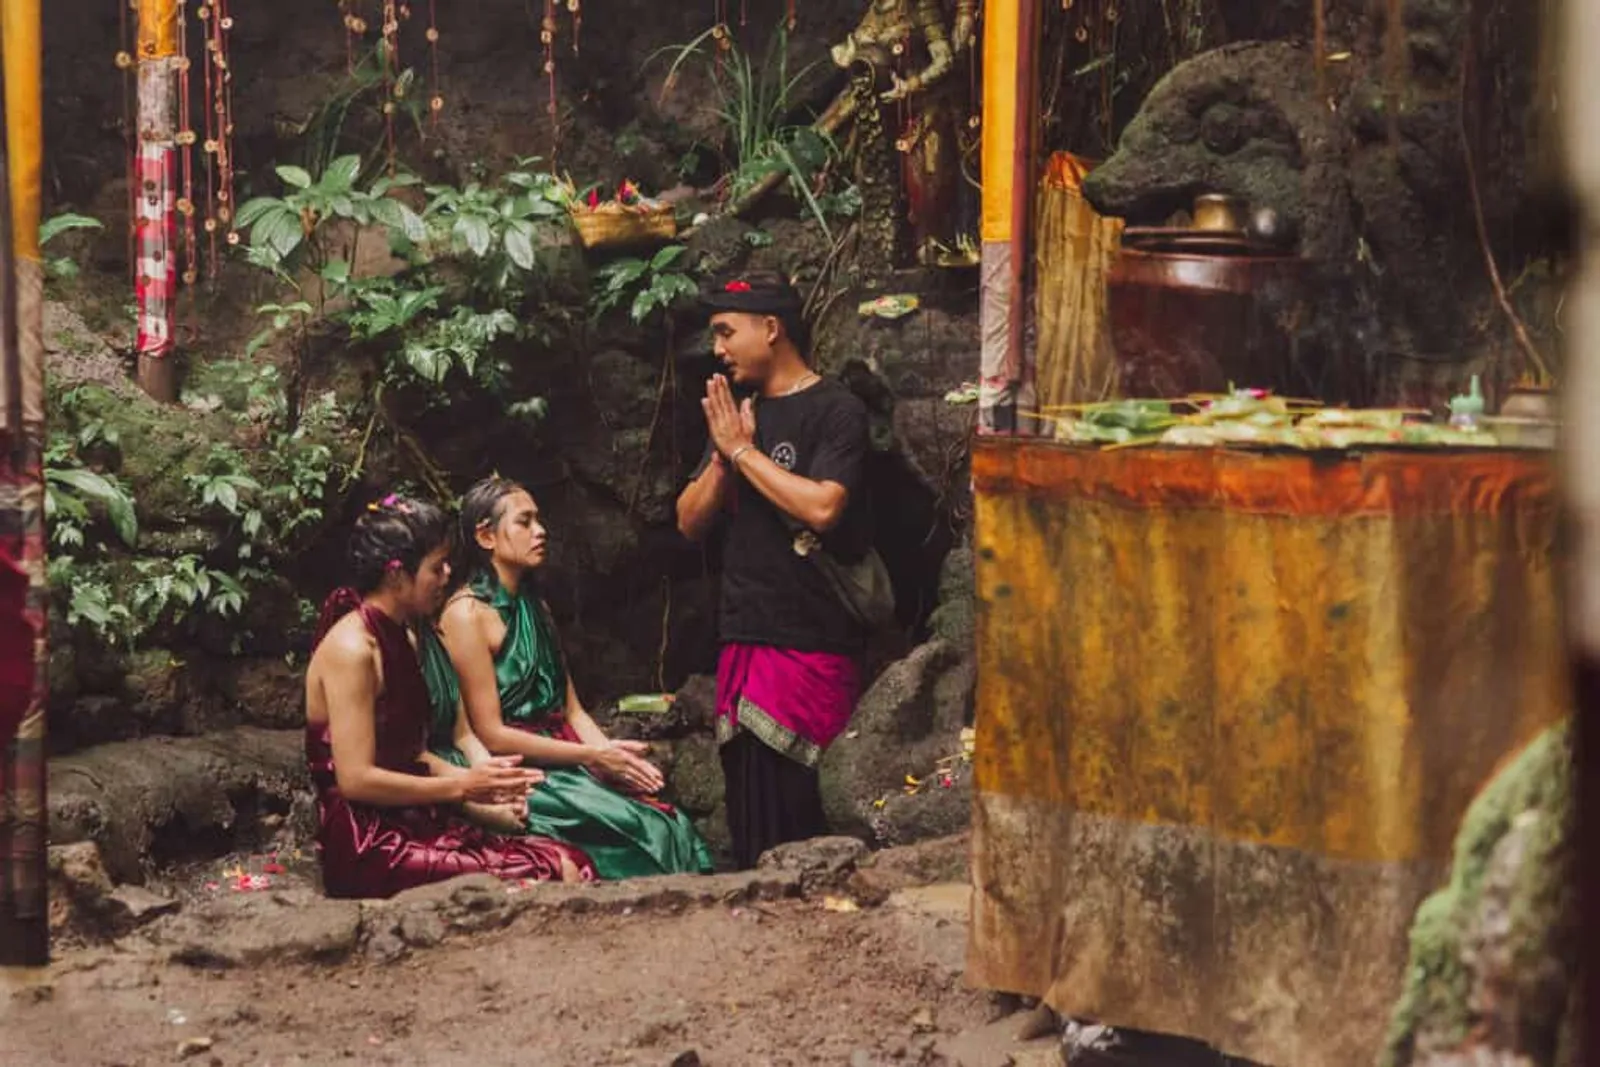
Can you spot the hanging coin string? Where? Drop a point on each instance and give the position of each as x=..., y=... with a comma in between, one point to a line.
x=547, y=38
x=208, y=75
x=186, y=139
x=575, y=9
x=349, y=17
x=222, y=132
x=390, y=63
x=901, y=50
x=719, y=34
x=789, y=18
x=435, y=101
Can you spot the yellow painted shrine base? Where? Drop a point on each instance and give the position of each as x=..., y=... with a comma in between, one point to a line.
x=1231, y=709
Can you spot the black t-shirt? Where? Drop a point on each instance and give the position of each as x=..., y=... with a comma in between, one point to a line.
x=770, y=595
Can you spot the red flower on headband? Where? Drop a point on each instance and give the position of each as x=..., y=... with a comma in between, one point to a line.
x=737, y=287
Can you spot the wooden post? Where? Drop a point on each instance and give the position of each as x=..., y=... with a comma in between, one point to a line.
x=24, y=915
x=1580, y=110
x=1024, y=181
x=1010, y=50
x=156, y=196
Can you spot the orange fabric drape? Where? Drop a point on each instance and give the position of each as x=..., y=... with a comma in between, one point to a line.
x=1076, y=248
x=1231, y=709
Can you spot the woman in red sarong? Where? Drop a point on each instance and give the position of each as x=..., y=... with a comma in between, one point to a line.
x=384, y=824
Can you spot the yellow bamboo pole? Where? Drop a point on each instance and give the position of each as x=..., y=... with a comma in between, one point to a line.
x=24, y=919
x=1010, y=48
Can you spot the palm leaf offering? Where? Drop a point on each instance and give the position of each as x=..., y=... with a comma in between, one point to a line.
x=645, y=704
x=1253, y=418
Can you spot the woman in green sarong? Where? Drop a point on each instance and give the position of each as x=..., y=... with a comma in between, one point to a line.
x=495, y=672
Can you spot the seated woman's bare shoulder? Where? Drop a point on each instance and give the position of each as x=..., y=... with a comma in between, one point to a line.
x=347, y=644
x=349, y=648
x=460, y=609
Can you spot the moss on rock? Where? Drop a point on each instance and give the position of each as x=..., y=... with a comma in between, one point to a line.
x=1491, y=952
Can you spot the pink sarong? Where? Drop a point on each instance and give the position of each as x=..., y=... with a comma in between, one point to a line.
x=795, y=703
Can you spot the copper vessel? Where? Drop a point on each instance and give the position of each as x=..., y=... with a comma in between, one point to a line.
x=1188, y=321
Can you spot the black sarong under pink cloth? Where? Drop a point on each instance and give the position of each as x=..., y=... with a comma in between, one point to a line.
x=771, y=799
x=373, y=852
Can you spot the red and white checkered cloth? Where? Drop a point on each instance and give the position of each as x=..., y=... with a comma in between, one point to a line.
x=156, y=238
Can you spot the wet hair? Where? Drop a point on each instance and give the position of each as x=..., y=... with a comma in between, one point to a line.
x=762, y=293
x=395, y=533
x=483, y=504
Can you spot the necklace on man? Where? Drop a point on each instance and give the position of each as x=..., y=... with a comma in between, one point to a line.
x=802, y=383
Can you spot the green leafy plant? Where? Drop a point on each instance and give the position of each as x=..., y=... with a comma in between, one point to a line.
x=497, y=223
x=756, y=103
x=282, y=316
x=654, y=283
x=458, y=342
x=92, y=605
x=75, y=495
x=61, y=266
x=259, y=497
x=289, y=232
x=79, y=503
x=224, y=483
x=170, y=590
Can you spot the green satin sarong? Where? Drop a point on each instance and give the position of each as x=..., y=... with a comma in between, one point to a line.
x=626, y=837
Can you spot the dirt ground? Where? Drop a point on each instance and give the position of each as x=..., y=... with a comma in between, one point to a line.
x=786, y=982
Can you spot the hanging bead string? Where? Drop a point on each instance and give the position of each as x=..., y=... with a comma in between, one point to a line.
x=218, y=130
x=224, y=206
x=975, y=48
x=790, y=19
x=435, y=101
x=209, y=77
x=547, y=38
x=130, y=124
x=349, y=19
x=390, y=64
x=901, y=51
x=575, y=9
x=186, y=139
x=719, y=34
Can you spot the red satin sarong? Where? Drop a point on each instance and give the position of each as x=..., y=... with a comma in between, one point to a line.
x=371, y=852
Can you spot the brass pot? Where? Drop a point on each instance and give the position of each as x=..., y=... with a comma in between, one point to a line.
x=1216, y=211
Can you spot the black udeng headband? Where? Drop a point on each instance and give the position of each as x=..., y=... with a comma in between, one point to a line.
x=740, y=295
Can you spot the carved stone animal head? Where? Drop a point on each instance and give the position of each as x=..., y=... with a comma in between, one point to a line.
x=1241, y=120
x=1370, y=175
